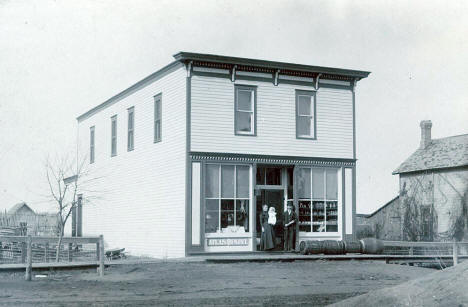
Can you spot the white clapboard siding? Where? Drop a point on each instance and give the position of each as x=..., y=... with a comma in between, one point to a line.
x=212, y=120
x=142, y=192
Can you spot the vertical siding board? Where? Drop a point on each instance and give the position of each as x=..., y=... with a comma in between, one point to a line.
x=141, y=205
x=212, y=120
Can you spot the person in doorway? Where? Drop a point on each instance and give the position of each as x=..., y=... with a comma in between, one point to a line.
x=272, y=223
x=290, y=219
x=266, y=240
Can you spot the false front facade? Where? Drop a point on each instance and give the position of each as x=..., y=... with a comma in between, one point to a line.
x=189, y=155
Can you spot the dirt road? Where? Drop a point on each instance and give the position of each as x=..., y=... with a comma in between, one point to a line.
x=299, y=283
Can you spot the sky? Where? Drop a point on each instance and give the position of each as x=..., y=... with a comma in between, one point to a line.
x=59, y=59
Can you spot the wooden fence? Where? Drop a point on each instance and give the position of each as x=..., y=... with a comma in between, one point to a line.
x=422, y=250
x=25, y=248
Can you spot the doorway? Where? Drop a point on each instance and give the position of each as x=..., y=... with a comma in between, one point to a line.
x=273, y=198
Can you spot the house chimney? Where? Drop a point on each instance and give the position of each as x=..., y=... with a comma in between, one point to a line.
x=426, y=126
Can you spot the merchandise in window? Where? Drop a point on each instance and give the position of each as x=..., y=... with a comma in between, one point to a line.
x=318, y=200
x=227, y=195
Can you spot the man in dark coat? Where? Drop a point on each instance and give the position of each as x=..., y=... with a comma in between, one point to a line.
x=290, y=220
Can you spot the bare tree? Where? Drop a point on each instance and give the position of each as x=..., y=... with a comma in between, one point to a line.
x=67, y=178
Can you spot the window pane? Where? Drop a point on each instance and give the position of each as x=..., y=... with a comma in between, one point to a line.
x=318, y=183
x=260, y=175
x=243, y=181
x=242, y=214
x=227, y=181
x=304, y=105
x=273, y=176
x=211, y=215
x=227, y=213
x=212, y=181
x=244, y=100
x=332, y=184
x=303, y=183
x=244, y=121
x=157, y=130
x=303, y=125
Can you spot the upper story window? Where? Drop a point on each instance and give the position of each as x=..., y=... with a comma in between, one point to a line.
x=131, y=129
x=157, y=117
x=245, y=110
x=91, y=144
x=305, y=114
x=114, y=135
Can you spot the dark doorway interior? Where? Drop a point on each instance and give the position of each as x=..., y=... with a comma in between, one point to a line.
x=273, y=198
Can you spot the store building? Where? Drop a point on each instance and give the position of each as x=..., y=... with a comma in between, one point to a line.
x=188, y=155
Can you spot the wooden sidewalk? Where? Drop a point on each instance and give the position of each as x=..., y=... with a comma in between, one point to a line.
x=232, y=258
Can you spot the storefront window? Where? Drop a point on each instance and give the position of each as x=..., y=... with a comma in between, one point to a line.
x=227, y=195
x=318, y=200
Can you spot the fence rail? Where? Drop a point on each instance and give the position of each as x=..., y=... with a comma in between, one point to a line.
x=434, y=249
x=29, y=249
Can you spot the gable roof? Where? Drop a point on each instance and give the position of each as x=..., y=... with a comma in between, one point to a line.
x=18, y=206
x=441, y=153
x=381, y=208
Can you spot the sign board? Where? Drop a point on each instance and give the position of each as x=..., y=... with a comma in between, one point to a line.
x=228, y=242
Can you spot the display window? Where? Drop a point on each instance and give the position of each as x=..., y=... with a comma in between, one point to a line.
x=227, y=199
x=318, y=200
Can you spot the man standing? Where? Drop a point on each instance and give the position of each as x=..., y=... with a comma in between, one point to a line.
x=289, y=228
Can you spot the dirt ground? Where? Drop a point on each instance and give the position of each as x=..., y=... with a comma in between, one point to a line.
x=442, y=288
x=298, y=283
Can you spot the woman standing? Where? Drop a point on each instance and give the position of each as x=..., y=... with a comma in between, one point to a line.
x=267, y=239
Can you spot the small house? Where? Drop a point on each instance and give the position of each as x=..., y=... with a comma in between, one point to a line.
x=434, y=189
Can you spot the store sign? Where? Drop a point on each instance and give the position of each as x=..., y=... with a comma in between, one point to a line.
x=228, y=242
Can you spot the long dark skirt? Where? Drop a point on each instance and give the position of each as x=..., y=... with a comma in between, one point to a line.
x=268, y=239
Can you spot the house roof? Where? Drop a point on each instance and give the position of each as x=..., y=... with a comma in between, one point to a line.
x=440, y=153
x=381, y=208
x=190, y=56
x=211, y=59
x=18, y=206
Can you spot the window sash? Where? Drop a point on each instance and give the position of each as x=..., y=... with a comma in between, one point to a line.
x=157, y=118
x=240, y=109
x=309, y=119
x=219, y=197
x=131, y=128
x=114, y=135
x=91, y=144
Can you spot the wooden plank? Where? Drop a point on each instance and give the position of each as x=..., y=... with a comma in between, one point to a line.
x=418, y=244
x=101, y=255
x=77, y=240
x=29, y=262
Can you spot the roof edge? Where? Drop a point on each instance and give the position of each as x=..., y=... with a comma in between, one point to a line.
x=187, y=56
x=142, y=83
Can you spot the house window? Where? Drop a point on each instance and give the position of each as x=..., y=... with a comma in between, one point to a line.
x=245, y=110
x=157, y=118
x=227, y=196
x=131, y=129
x=91, y=144
x=114, y=135
x=318, y=199
x=305, y=114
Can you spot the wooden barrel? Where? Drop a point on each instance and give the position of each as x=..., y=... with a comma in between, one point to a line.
x=311, y=247
x=333, y=247
x=372, y=246
x=352, y=246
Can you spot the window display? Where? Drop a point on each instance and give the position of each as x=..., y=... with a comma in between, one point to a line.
x=227, y=195
x=318, y=200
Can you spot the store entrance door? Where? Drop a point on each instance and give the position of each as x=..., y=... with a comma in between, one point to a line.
x=273, y=198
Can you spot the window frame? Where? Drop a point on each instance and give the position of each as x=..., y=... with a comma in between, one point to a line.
x=325, y=200
x=252, y=88
x=92, y=144
x=157, y=118
x=113, y=137
x=313, y=95
x=131, y=131
x=219, y=198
